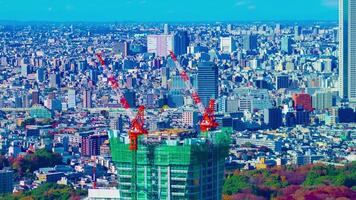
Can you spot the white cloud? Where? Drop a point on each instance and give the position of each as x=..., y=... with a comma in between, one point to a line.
x=330, y=3
x=245, y=4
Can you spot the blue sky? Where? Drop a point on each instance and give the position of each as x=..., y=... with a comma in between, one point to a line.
x=167, y=10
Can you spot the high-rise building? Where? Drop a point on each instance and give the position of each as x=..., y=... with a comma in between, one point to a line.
x=54, y=80
x=160, y=45
x=71, y=98
x=347, y=49
x=130, y=95
x=282, y=81
x=25, y=70
x=227, y=44
x=181, y=42
x=166, y=29
x=93, y=75
x=322, y=100
x=87, y=101
x=170, y=169
x=302, y=117
x=190, y=118
x=122, y=48
x=6, y=181
x=250, y=42
x=165, y=76
x=35, y=97
x=207, y=81
x=303, y=100
x=286, y=45
x=40, y=75
x=273, y=118
x=91, y=144
x=297, y=31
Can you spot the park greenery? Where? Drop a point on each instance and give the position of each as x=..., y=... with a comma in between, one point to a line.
x=25, y=165
x=285, y=183
x=48, y=191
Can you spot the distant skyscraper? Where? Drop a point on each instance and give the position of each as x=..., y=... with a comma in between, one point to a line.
x=297, y=31
x=160, y=45
x=91, y=144
x=181, y=42
x=229, y=27
x=93, y=75
x=347, y=48
x=40, y=76
x=207, y=81
x=273, y=118
x=165, y=76
x=25, y=70
x=6, y=181
x=35, y=97
x=71, y=98
x=54, y=80
x=249, y=42
x=227, y=44
x=286, y=45
x=130, y=95
x=122, y=48
x=282, y=81
x=166, y=29
x=87, y=101
x=304, y=101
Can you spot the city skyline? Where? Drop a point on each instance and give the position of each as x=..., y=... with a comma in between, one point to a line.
x=167, y=11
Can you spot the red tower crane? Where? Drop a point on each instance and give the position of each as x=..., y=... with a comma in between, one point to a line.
x=136, y=126
x=208, y=121
x=137, y=122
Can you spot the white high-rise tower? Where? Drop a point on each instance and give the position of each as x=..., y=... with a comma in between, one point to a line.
x=347, y=48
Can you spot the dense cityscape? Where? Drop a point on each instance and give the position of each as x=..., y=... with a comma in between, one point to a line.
x=278, y=99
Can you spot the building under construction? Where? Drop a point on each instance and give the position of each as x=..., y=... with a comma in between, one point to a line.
x=171, y=164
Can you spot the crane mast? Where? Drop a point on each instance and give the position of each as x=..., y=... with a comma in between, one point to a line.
x=208, y=121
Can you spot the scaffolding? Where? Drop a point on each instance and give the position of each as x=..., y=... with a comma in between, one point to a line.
x=191, y=168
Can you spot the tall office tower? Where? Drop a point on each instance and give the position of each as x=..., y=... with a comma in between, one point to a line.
x=130, y=95
x=25, y=70
x=181, y=42
x=278, y=28
x=227, y=44
x=302, y=100
x=297, y=31
x=347, y=50
x=322, y=100
x=87, y=102
x=54, y=80
x=71, y=98
x=229, y=27
x=91, y=144
x=25, y=101
x=160, y=45
x=35, y=97
x=166, y=29
x=286, y=45
x=208, y=75
x=93, y=75
x=165, y=76
x=282, y=81
x=250, y=42
x=122, y=48
x=40, y=75
x=273, y=118
x=6, y=181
